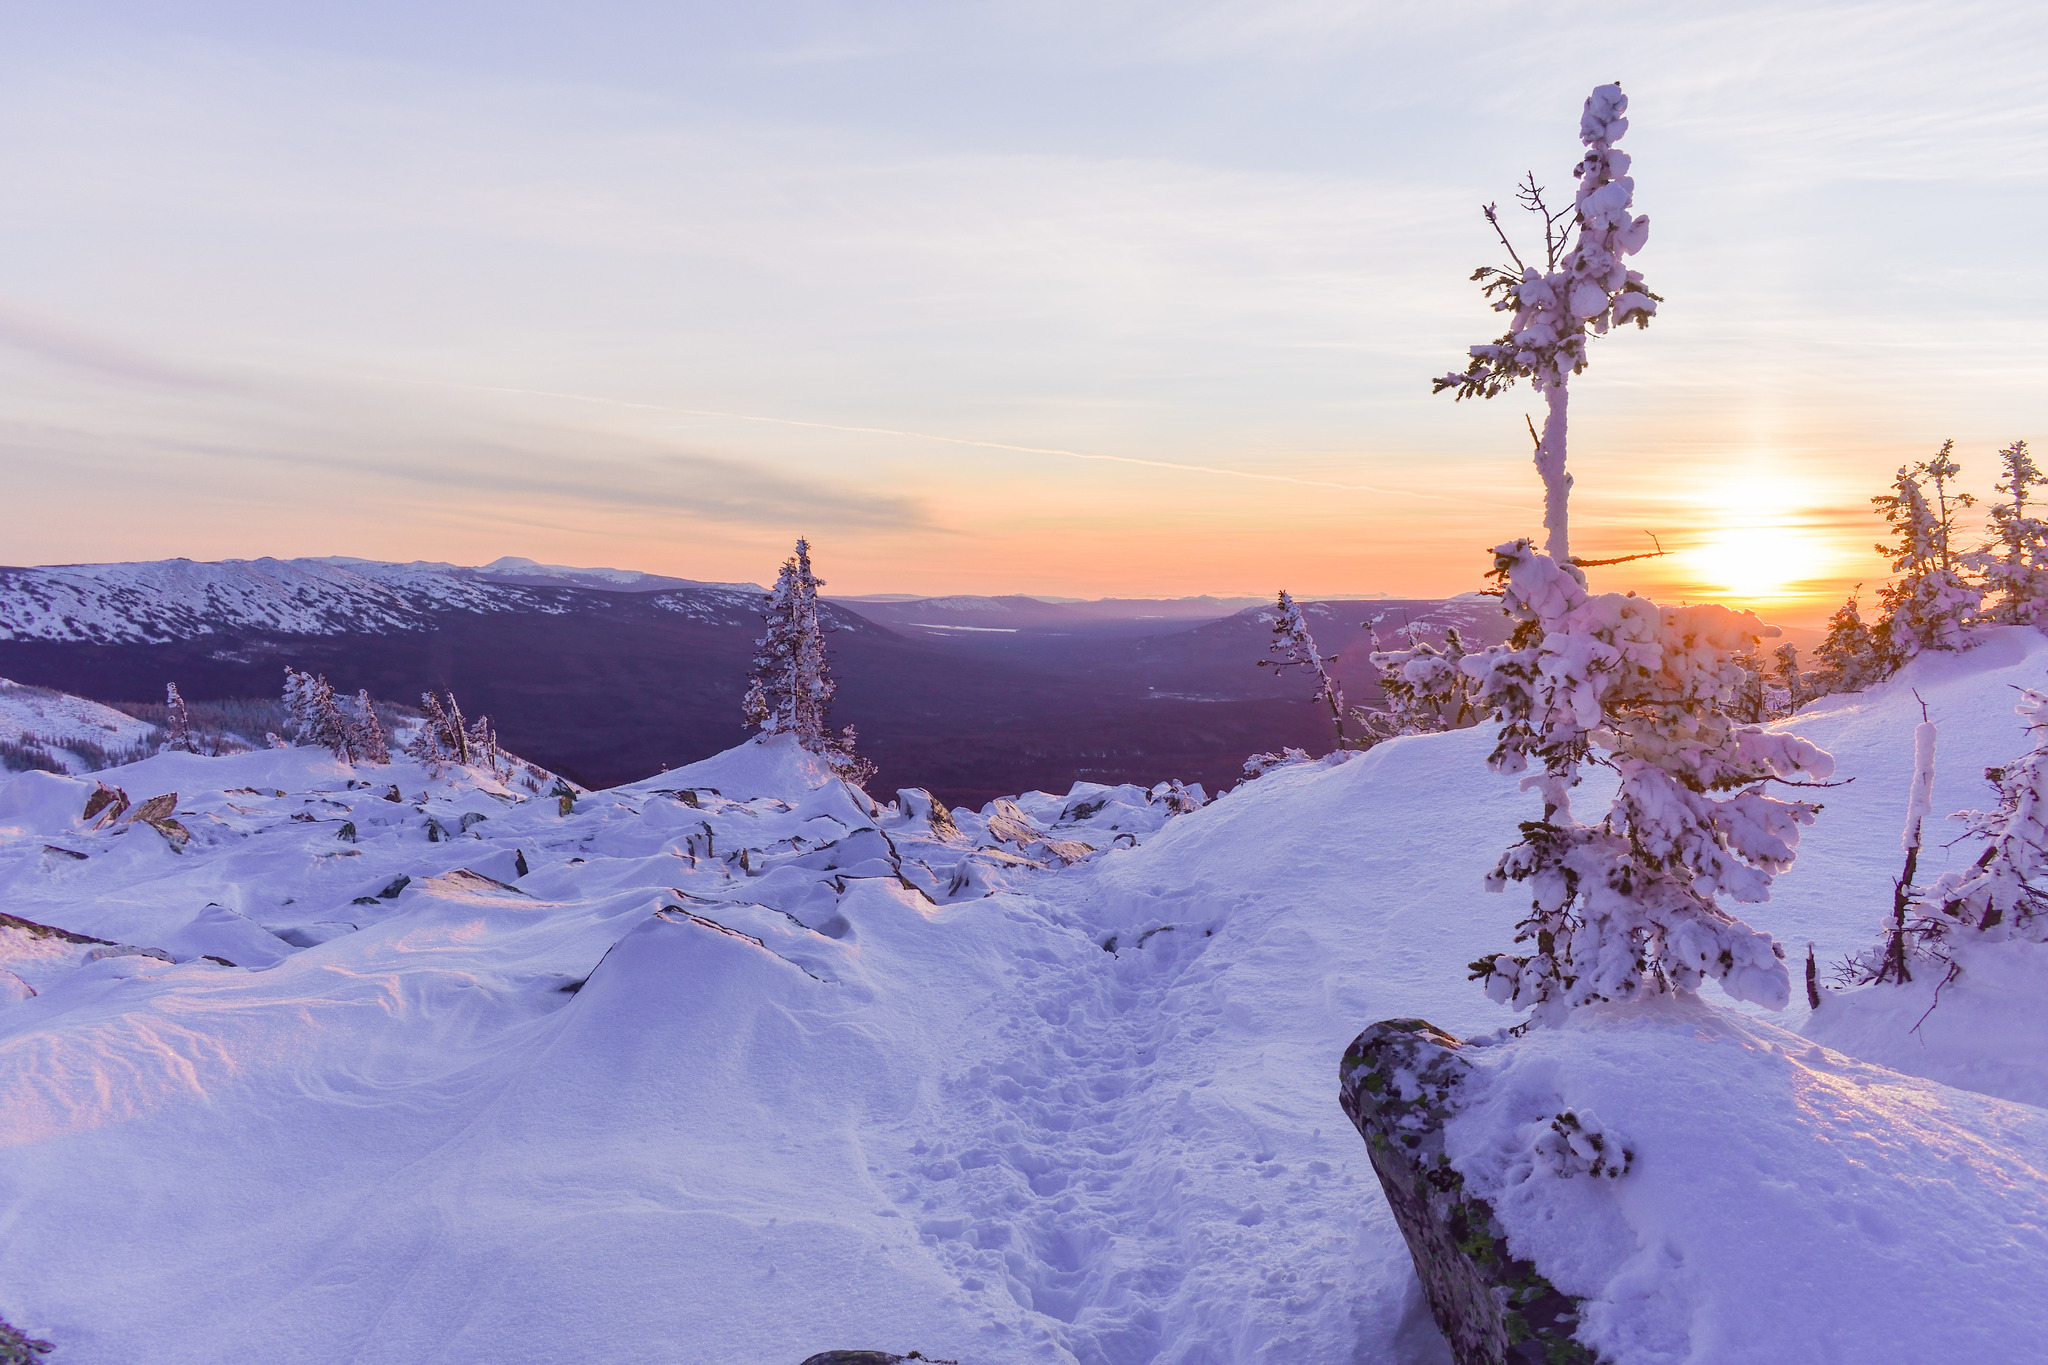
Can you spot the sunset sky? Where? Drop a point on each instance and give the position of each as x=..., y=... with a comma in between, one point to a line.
x=1079, y=299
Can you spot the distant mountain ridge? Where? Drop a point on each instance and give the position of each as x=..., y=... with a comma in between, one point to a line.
x=608, y=675
x=159, y=601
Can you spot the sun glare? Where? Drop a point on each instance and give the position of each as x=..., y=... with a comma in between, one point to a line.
x=1755, y=547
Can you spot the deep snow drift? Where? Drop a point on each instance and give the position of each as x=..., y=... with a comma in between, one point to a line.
x=734, y=1065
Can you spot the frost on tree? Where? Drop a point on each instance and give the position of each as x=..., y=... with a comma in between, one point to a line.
x=1630, y=906
x=1426, y=688
x=1296, y=648
x=177, y=723
x=1849, y=659
x=1928, y=604
x=2015, y=561
x=445, y=737
x=313, y=716
x=1583, y=288
x=791, y=686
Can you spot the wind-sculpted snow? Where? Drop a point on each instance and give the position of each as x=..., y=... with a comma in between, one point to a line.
x=734, y=1064
x=163, y=600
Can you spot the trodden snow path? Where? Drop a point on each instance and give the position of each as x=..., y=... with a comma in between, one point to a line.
x=732, y=1065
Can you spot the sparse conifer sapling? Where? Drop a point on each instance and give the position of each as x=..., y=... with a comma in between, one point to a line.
x=1295, y=647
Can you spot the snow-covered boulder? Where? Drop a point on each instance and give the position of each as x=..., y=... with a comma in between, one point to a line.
x=1752, y=1196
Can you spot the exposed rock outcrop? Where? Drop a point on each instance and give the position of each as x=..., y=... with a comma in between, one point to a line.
x=1399, y=1083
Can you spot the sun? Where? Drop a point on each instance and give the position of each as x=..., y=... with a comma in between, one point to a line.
x=1757, y=546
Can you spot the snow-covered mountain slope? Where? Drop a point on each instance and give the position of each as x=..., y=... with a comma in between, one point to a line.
x=748, y=1073
x=47, y=729
x=178, y=599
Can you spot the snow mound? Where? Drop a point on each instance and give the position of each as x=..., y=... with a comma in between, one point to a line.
x=1785, y=1202
x=767, y=765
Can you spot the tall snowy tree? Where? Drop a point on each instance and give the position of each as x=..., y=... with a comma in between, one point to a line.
x=2015, y=561
x=177, y=723
x=1630, y=906
x=1296, y=648
x=1928, y=604
x=791, y=686
x=1583, y=287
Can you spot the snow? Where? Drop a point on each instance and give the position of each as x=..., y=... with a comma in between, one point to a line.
x=50, y=723
x=176, y=599
x=1786, y=1203
x=742, y=1067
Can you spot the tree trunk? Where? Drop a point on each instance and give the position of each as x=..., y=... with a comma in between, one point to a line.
x=1557, y=485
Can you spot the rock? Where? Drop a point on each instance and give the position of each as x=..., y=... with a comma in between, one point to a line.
x=107, y=802
x=870, y=1358
x=1399, y=1083
x=160, y=807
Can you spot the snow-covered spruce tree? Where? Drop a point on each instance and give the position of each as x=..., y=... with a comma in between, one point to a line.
x=2014, y=562
x=177, y=723
x=445, y=737
x=1296, y=648
x=1583, y=287
x=314, y=717
x=1928, y=604
x=371, y=741
x=1426, y=688
x=1849, y=658
x=1790, y=687
x=1630, y=906
x=791, y=687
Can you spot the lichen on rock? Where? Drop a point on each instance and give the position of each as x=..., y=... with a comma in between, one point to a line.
x=1399, y=1083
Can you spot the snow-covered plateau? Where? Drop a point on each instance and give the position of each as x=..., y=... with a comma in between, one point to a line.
x=386, y=1064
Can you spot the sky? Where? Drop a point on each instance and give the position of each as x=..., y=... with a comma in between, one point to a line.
x=1136, y=299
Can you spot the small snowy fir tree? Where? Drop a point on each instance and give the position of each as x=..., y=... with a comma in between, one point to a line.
x=1630, y=906
x=1790, y=689
x=1928, y=604
x=2015, y=562
x=1849, y=661
x=1426, y=688
x=446, y=738
x=1583, y=287
x=315, y=718
x=177, y=723
x=1296, y=648
x=791, y=686
x=371, y=742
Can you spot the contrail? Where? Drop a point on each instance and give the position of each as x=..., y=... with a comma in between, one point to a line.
x=980, y=445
